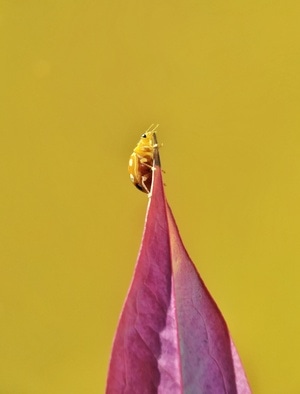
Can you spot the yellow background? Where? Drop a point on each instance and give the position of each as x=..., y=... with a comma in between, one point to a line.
x=80, y=81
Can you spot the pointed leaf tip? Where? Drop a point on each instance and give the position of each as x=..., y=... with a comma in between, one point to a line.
x=171, y=337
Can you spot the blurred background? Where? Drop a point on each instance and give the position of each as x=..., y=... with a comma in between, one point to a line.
x=80, y=82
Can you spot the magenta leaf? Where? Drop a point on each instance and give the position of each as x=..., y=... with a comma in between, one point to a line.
x=171, y=337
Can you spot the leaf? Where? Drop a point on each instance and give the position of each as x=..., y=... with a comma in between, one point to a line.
x=171, y=336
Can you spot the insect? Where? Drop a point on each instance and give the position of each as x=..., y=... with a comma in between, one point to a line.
x=140, y=165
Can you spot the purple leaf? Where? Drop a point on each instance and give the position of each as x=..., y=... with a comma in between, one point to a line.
x=171, y=336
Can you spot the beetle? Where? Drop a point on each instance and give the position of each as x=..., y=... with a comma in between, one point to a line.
x=140, y=165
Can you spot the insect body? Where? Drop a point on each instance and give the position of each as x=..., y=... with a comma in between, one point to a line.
x=140, y=165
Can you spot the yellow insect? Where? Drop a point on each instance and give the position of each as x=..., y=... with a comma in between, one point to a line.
x=140, y=165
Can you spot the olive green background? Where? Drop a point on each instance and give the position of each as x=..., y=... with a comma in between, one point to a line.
x=80, y=81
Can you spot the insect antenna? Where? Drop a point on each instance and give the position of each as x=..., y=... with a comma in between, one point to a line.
x=149, y=128
x=154, y=128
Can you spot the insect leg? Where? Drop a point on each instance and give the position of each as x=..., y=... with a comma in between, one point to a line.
x=144, y=178
x=144, y=162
